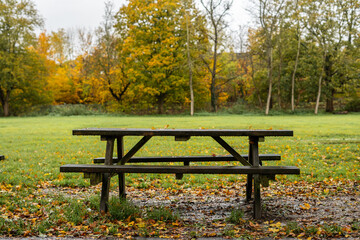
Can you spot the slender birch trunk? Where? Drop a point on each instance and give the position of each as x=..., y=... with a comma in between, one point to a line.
x=293, y=76
x=320, y=83
x=190, y=68
x=270, y=69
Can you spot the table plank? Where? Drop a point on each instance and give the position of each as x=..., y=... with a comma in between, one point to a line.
x=180, y=132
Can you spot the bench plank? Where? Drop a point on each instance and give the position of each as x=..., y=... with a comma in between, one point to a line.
x=267, y=170
x=262, y=157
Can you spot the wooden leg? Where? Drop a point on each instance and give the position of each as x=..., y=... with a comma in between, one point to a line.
x=249, y=187
x=257, y=197
x=104, y=199
x=120, y=154
x=122, y=191
x=254, y=160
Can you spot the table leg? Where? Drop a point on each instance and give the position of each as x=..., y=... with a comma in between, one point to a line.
x=254, y=160
x=249, y=176
x=104, y=199
x=120, y=154
x=257, y=197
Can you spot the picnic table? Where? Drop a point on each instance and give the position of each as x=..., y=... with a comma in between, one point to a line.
x=250, y=164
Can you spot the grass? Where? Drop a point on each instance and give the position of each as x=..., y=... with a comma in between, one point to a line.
x=324, y=146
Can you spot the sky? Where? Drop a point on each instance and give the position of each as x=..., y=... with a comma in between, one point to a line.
x=73, y=14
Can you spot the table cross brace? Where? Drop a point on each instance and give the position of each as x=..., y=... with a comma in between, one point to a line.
x=231, y=150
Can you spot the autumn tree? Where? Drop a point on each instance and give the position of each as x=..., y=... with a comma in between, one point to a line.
x=216, y=11
x=110, y=57
x=18, y=20
x=152, y=44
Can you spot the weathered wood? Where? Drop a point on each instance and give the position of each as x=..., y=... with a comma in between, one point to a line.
x=267, y=170
x=182, y=138
x=249, y=178
x=231, y=151
x=134, y=150
x=264, y=180
x=106, y=176
x=120, y=154
x=262, y=157
x=180, y=132
x=257, y=197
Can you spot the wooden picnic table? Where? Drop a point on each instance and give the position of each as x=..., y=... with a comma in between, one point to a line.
x=251, y=164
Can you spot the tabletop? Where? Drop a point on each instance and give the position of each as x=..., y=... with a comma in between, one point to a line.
x=180, y=132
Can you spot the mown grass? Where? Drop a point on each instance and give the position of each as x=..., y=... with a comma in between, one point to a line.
x=35, y=147
x=324, y=146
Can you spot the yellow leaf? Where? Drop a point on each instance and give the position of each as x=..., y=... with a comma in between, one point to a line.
x=306, y=206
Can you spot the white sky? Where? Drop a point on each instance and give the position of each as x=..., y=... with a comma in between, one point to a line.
x=72, y=14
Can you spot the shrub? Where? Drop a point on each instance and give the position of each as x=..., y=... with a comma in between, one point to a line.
x=353, y=105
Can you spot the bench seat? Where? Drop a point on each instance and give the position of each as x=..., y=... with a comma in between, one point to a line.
x=262, y=157
x=264, y=170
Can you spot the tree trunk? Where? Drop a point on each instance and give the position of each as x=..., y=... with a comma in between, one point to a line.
x=4, y=98
x=280, y=70
x=320, y=83
x=293, y=76
x=330, y=102
x=319, y=94
x=161, y=100
x=213, y=76
x=213, y=95
x=190, y=69
x=268, y=102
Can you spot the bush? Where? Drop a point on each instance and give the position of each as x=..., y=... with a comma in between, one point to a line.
x=65, y=110
x=353, y=105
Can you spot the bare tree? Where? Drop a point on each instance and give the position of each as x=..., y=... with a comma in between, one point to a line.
x=270, y=14
x=298, y=33
x=216, y=11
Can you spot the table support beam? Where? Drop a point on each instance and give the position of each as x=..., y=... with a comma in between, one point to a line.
x=134, y=150
x=231, y=150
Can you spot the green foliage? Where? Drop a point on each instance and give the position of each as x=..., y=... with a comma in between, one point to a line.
x=353, y=105
x=65, y=110
x=22, y=71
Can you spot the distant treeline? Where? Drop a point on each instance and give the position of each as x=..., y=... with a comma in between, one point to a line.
x=173, y=56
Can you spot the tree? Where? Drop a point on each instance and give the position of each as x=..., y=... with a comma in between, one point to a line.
x=152, y=47
x=270, y=17
x=216, y=11
x=109, y=56
x=18, y=20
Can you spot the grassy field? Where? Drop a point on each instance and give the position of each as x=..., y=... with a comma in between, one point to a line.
x=323, y=147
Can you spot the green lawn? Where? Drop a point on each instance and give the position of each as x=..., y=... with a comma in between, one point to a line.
x=323, y=146
x=35, y=199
